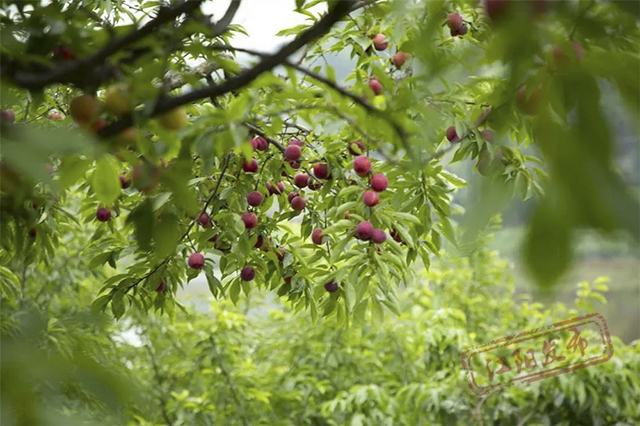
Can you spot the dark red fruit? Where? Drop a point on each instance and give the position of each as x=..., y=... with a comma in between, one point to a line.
x=298, y=203
x=301, y=180
x=280, y=253
x=331, y=287
x=32, y=232
x=379, y=182
x=362, y=165
x=495, y=8
x=214, y=238
x=250, y=220
x=294, y=164
x=259, y=143
x=452, y=135
x=459, y=31
x=124, y=182
x=321, y=171
x=528, y=105
x=254, y=198
x=315, y=186
x=376, y=86
x=161, y=287
x=204, y=220
x=370, y=198
x=378, y=236
x=103, y=215
x=276, y=189
x=55, y=116
x=259, y=242
x=454, y=21
x=364, y=231
x=292, y=152
x=292, y=195
x=250, y=166
x=247, y=273
x=396, y=236
x=196, y=261
x=294, y=141
x=357, y=148
x=316, y=236
x=7, y=116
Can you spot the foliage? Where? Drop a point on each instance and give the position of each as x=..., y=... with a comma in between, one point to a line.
x=142, y=56
x=261, y=363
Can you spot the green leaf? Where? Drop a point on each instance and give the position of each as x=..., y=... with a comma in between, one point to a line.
x=106, y=181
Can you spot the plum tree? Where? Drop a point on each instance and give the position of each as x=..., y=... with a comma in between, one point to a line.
x=288, y=120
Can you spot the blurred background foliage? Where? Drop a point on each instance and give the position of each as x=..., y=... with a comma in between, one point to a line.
x=544, y=96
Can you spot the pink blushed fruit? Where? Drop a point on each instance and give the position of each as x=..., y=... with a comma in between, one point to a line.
x=294, y=141
x=364, y=231
x=362, y=165
x=292, y=152
x=316, y=236
x=379, y=42
x=370, y=198
x=376, y=86
x=196, y=261
x=379, y=182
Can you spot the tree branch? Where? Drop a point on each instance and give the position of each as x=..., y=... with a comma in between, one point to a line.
x=244, y=78
x=79, y=71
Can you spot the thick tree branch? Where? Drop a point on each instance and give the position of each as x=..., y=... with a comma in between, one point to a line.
x=244, y=78
x=402, y=134
x=79, y=71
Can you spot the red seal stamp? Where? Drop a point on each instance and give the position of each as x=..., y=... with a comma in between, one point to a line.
x=537, y=354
